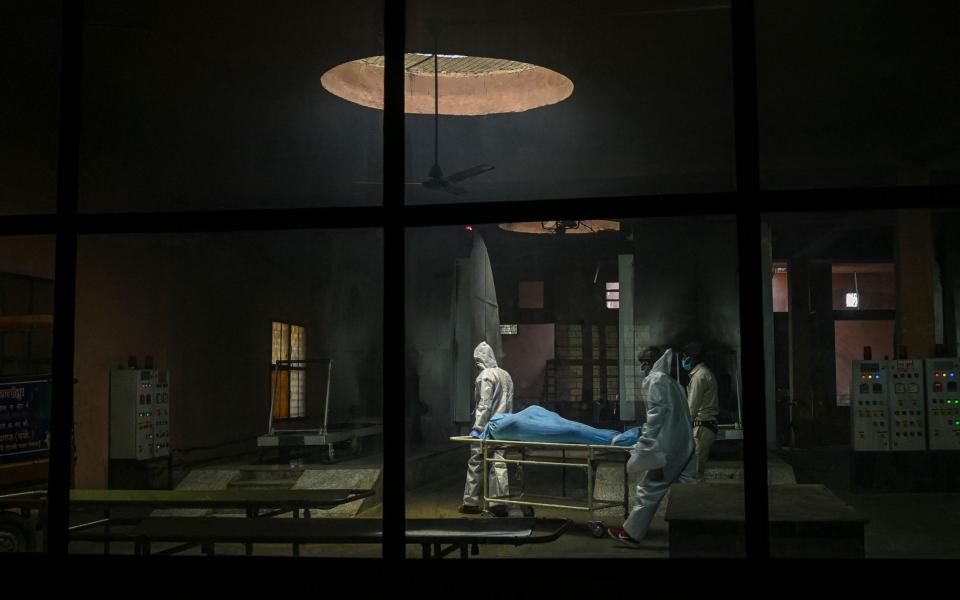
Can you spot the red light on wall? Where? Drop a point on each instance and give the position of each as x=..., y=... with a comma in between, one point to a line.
x=469, y=227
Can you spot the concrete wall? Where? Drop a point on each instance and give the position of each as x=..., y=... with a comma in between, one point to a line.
x=526, y=356
x=877, y=291
x=687, y=285
x=202, y=305
x=31, y=255
x=429, y=294
x=851, y=337
x=781, y=300
x=718, y=283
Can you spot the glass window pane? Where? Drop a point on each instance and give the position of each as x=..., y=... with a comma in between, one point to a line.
x=297, y=343
x=577, y=365
x=866, y=436
x=26, y=368
x=188, y=415
x=562, y=99
x=277, y=342
x=224, y=106
x=30, y=34
x=857, y=94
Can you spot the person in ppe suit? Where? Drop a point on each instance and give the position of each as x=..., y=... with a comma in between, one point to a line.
x=493, y=394
x=667, y=434
x=702, y=401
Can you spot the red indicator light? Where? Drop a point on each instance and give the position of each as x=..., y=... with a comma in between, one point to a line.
x=469, y=227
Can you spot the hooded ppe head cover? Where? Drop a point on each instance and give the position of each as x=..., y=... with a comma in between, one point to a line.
x=662, y=365
x=483, y=355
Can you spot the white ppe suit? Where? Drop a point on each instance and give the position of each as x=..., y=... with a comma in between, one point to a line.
x=493, y=393
x=669, y=427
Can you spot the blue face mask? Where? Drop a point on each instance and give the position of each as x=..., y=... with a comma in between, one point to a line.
x=643, y=371
x=687, y=366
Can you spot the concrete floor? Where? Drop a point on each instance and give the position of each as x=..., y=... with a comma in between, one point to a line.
x=441, y=500
x=916, y=525
x=900, y=526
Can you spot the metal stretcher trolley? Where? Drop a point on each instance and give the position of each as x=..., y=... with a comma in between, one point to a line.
x=319, y=433
x=560, y=455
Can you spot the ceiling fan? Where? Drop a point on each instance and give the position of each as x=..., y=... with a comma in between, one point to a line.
x=436, y=179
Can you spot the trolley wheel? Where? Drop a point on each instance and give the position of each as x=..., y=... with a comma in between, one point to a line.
x=597, y=529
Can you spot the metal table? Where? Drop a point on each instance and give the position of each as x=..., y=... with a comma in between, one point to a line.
x=458, y=534
x=275, y=502
x=576, y=456
x=431, y=534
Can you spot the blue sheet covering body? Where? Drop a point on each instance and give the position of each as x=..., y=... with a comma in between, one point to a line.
x=537, y=424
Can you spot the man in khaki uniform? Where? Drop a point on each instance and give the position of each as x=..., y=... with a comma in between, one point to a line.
x=702, y=400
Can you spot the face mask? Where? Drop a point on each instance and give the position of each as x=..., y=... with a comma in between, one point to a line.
x=686, y=365
x=643, y=371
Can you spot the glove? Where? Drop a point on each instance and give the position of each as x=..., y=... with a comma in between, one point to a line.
x=475, y=433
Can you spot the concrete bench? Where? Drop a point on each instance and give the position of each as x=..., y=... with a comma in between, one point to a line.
x=806, y=521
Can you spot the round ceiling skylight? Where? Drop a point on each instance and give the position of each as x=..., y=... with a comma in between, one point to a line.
x=468, y=85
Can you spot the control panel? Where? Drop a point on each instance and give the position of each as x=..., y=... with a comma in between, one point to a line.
x=943, y=403
x=906, y=408
x=869, y=405
x=139, y=413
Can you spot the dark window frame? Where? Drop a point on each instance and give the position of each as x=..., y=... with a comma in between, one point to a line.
x=747, y=203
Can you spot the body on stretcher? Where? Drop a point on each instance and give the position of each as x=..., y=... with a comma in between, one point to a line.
x=562, y=456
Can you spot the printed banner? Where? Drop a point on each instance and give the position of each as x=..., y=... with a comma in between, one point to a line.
x=24, y=418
